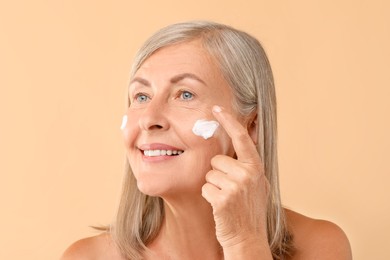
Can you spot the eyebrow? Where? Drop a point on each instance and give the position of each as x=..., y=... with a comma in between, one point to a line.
x=140, y=80
x=183, y=76
x=173, y=80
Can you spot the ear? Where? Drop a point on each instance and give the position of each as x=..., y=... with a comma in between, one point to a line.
x=252, y=127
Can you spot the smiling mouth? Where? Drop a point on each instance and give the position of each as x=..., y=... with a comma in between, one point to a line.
x=155, y=153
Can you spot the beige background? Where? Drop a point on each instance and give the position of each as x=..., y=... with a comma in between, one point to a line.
x=64, y=68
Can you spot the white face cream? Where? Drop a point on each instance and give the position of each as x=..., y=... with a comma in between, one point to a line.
x=124, y=122
x=205, y=128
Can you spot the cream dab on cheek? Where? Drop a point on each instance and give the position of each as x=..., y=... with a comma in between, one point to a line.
x=204, y=128
x=124, y=122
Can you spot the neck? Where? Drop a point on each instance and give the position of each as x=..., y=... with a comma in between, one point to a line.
x=188, y=230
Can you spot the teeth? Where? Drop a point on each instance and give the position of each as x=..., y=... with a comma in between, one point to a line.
x=152, y=153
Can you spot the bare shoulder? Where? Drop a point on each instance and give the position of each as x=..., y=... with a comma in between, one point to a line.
x=317, y=239
x=98, y=247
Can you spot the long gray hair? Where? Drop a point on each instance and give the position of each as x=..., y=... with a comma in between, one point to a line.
x=246, y=68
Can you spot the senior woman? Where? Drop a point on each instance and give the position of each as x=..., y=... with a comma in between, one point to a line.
x=190, y=195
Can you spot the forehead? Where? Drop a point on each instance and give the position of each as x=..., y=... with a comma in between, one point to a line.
x=187, y=57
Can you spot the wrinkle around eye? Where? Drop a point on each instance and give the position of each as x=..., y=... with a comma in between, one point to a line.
x=191, y=108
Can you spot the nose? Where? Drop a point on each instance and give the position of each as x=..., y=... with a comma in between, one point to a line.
x=154, y=117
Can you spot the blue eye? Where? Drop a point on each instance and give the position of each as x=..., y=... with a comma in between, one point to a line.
x=141, y=98
x=186, y=95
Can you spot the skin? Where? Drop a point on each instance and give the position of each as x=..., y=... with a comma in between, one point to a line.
x=218, y=201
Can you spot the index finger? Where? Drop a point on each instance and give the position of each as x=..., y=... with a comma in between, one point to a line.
x=243, y=144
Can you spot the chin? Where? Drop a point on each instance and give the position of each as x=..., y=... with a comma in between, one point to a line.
x=150, y=188
x=168, y=187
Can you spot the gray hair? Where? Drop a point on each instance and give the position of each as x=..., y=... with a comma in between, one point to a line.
x=246, y=68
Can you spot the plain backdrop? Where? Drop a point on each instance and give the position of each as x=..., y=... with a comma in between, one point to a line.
x=64, y=69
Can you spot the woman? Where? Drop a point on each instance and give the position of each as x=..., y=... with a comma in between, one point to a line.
x=186, y=196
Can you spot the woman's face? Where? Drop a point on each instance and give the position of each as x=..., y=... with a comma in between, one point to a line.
x=174, y=88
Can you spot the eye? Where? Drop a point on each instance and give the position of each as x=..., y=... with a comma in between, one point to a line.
x=186, y=95
x=141, y=98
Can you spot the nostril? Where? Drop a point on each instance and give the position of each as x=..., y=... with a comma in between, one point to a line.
x=153, y=120
x=155, y=127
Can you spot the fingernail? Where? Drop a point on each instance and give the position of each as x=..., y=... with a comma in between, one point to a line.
x=217, y=109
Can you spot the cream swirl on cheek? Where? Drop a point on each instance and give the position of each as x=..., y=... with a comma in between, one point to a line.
x=124, y=122
x=204, y=128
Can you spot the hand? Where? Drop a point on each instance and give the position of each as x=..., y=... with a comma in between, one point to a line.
x=237, y=189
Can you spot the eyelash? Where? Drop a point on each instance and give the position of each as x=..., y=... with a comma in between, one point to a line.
x=179, y=95
x=137, y=95
x=182, y=92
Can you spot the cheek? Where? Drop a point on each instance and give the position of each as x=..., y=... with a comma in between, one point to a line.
x=218, y=143
x=205, y=149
